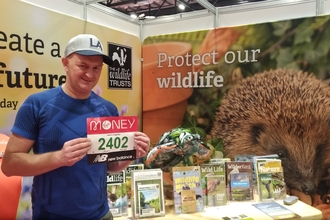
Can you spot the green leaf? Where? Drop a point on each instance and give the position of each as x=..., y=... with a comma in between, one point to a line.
x=312, y=56
x=197, y=130
x=304, y=32
x=292, y=65
x=320, y=21
x=189, y=120
x=301, y=49
x=176, y=133
x=281, y=27
x=274, y=54
x=216, y=143
x=323, y=45
x=284, y=58
x=255, y=36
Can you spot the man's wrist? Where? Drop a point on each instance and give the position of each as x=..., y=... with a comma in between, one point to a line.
x=117, y=166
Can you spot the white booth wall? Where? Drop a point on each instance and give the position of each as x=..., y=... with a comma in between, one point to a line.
x=251, y=13
x=73, y=8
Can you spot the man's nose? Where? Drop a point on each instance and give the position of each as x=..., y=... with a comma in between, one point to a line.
x=90, y=72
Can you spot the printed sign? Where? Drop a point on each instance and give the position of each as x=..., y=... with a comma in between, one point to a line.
x=276, y=211
x=112, y=138
x=120, y=74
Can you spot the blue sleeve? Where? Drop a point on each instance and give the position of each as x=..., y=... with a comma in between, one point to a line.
x=115, y=112
x=27, y=119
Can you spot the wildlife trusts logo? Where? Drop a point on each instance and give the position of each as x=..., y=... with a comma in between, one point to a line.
x=120, y=74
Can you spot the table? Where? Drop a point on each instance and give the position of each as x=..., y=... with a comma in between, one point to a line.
x=236, y=208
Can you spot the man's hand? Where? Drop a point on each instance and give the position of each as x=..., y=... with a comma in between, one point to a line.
x=142, y=144
x=73, y=151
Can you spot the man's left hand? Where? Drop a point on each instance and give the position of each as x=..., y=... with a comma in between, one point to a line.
x=142, y=144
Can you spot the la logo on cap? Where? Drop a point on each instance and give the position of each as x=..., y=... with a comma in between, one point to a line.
x=97, y=44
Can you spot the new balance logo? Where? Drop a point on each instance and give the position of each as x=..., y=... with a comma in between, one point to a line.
x=100, y=158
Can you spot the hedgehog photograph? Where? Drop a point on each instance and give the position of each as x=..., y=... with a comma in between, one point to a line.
x=284, y=112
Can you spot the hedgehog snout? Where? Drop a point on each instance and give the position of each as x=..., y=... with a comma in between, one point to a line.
x=308, y=184
x=308, y=188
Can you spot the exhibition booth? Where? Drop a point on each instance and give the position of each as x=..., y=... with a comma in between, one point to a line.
x=171, y=72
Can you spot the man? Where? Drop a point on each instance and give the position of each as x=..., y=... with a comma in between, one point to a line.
x=53, y=124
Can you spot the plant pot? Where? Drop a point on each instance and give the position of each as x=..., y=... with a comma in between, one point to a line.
x=158, y=121
x=163, y=108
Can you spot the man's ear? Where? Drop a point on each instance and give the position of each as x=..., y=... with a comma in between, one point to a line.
x=65, y=62
x=256, y=131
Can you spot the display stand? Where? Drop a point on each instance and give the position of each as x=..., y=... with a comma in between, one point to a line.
x=234, y=209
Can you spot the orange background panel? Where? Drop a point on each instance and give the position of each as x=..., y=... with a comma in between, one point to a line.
x=10, y=189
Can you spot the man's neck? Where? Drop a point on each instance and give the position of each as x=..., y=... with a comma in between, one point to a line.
x=67, y=90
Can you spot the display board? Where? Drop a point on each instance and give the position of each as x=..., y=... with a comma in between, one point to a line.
x=189, y=80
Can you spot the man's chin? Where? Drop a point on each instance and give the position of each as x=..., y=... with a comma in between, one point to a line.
x=86, y=87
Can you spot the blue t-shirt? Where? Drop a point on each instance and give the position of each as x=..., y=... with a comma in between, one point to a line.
x=51, y=118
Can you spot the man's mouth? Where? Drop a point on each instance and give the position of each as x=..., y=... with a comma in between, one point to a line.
x=87, y=80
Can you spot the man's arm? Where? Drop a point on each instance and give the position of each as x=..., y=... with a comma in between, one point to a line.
x=17, y=161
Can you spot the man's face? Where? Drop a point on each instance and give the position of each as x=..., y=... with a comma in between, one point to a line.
x=83, y=73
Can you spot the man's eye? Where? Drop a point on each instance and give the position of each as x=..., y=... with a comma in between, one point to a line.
x=82, y=66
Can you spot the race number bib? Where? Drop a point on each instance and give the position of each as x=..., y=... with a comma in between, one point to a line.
x=112, y=138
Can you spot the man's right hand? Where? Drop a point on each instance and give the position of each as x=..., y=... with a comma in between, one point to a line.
x=73, y=151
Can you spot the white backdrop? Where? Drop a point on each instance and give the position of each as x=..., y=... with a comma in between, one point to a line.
x=257, y=12
x=95, y=16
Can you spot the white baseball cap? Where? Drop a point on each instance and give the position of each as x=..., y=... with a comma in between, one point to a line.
x=86, y=45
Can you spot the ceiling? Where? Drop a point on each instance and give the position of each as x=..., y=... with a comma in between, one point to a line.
x=155, y=8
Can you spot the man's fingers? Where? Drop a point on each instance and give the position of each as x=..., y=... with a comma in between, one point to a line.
x=139, y=136
x=79, y=152
x=78, y=144
x=78, y=141
x=75, y=150
x=141, y=151
x=74, y=154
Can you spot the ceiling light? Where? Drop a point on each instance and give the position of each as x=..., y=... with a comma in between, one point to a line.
x=133, y=16
x=150, y=17
x=143, y=16
x=181, y=6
